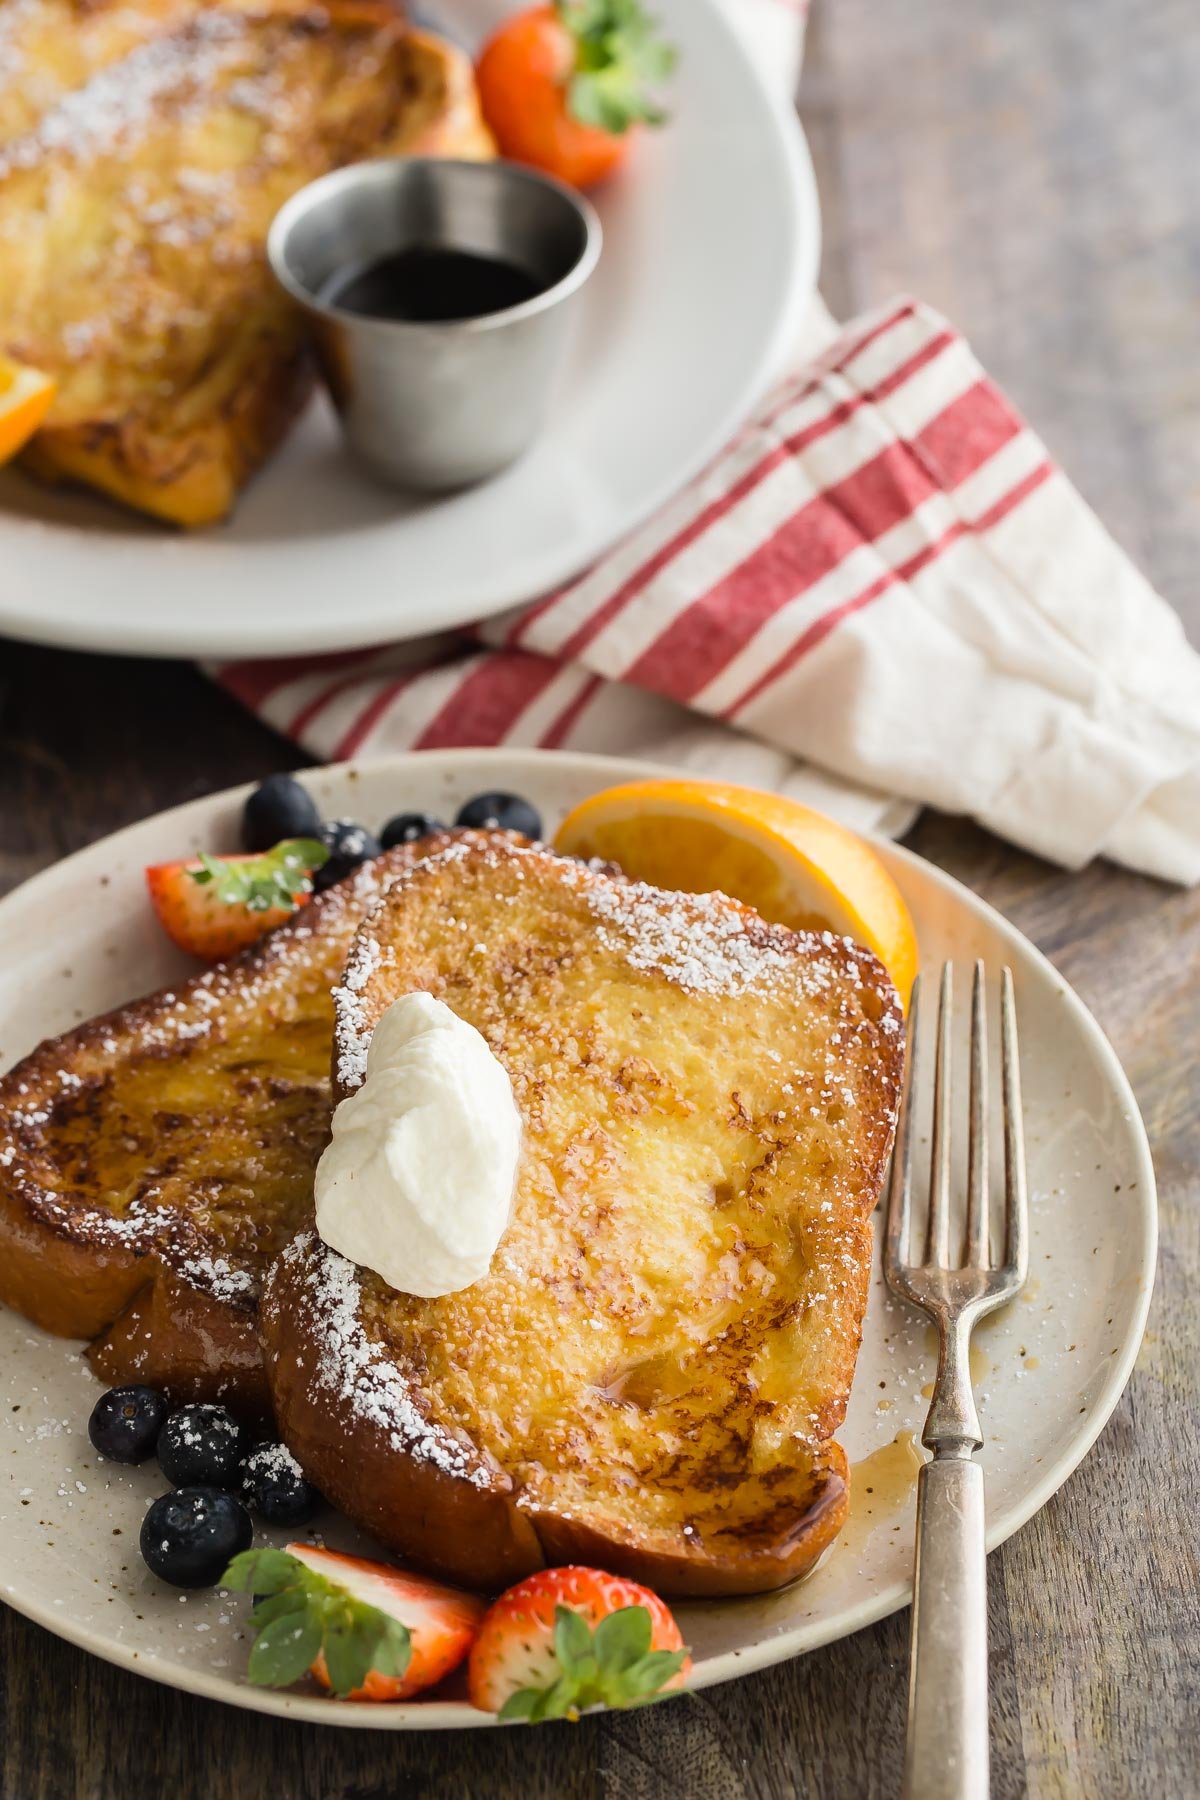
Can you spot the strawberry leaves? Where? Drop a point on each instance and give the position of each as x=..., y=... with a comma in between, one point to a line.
x=300, y=1615
x=619, y=58
x=287, y=1647
x=611, y=1666
x=261, y=883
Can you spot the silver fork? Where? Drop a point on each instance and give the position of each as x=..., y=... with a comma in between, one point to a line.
x=956, y=1283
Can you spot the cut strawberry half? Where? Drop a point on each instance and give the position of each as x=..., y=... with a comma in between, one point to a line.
x=364, y=1630
x=214, y=906
x=567, y=1639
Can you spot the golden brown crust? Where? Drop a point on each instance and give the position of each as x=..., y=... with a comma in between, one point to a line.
x=448, y=120
x=652, y=1371
x=190, y=480
x=71, y=1288
x=175, y=1337
x=180, y=363
x=453, y=1512
x=153, y=1161
x=785, y=1544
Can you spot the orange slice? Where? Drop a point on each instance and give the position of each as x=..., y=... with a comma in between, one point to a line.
x=792, y=865
x=25, y=396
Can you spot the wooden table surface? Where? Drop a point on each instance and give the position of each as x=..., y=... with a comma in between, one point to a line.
x=1031, y=170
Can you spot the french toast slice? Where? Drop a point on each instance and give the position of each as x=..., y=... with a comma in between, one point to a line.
x=650, y=1375
x=153, y=1161
x=49, y=48
x=134, y=212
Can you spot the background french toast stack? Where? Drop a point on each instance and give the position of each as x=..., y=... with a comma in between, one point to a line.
x=651, y=1373
x=144, y=150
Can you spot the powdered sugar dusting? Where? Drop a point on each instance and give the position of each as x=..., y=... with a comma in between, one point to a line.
x=134, y=1229
x=116, y=104
x=354, y=1372
x=273, y=1461
x=350, y=1031
x=706, y=943
x=217, y=1276
x=15, y=15
x=699, y=941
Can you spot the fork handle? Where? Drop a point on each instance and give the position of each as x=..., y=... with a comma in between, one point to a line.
x=947, y=1752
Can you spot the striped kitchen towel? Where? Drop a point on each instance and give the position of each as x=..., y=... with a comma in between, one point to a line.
x=883, y=592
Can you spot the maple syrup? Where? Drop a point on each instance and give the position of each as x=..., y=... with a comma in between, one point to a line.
x=429, y=286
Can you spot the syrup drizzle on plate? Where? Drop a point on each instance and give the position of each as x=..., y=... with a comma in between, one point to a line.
x=882, y=1492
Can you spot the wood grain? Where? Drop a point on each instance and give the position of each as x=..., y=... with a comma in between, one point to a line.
x=1030, y=169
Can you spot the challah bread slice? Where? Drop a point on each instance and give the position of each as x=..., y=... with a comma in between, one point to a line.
x=155, y=1160
x=650, y=1375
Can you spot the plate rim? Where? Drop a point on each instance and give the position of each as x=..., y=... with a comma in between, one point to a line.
x=23, y=607
x=457, y=1715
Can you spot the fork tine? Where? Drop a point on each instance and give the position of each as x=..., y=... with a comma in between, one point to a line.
x=900, y=1191
x=937, y=1235
x=1016, y=1200
x=978, y=1236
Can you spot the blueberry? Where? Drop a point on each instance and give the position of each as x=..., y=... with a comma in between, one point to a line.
x=126, y=1421
x=408, y=828
x=502, y=812
x=190, y=1536
x=278, y=808
x=273, y=1481
x=201, y=1444
x=348, y=845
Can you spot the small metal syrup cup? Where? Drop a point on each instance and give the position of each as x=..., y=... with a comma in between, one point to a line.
x=437, y=406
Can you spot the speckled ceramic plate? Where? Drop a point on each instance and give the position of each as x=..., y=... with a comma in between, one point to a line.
x=1049, y=1369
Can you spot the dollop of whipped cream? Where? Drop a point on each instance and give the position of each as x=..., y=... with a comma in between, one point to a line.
x=417, y=1181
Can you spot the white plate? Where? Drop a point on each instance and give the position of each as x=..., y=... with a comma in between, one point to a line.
x=711, y=245
x=1050, y=1371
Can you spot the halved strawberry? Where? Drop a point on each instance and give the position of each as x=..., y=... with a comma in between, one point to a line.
x=213, y=906
x=364, y=1630
x=566, y=1639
